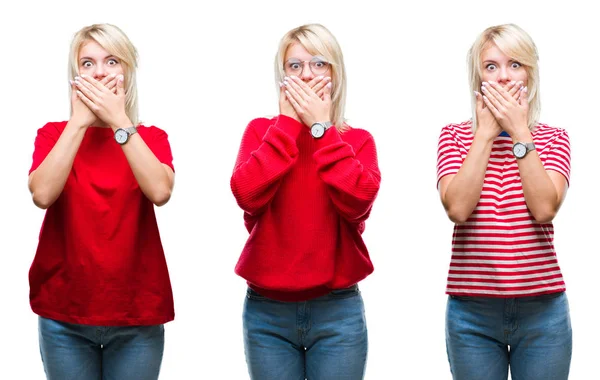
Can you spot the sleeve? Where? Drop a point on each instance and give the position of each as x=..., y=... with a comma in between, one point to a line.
x=159, y=145
x=449, y=158
x=263, y=159
x=46, y=138
x=559, y=156
x=352, y=175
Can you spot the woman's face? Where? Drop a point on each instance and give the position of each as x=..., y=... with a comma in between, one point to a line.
x=97, y=62
x=299, y=62
x=497, y=66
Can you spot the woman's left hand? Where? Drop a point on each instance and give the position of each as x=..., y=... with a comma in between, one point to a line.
x=511, y=114
x=307, y=104
x=104, y=103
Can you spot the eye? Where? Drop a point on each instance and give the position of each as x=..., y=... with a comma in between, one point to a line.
x=515, y=65
x=294, y=65
x=490, y=67
x=113, y=62
x=320, y=64
x=86, y=64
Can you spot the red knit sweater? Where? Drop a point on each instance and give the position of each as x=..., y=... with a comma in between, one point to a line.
x=305, y=203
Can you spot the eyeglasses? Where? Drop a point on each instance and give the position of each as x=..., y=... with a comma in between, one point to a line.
x=318, y=66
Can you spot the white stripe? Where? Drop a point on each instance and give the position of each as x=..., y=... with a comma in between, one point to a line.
x=505, y=270
x=476, y=245
x=505, y=285
x=506, y=293
x=513, y=277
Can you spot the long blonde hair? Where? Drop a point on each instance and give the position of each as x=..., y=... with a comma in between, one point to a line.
x=318, y=40
x=113, y=40
x=518, y=45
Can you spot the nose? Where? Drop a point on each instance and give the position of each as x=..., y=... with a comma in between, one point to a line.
x=503, y=76
x=100, y=72
x=306, y=74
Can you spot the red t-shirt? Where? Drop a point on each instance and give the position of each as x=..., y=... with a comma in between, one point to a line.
x=305, y=203
x=100, y=259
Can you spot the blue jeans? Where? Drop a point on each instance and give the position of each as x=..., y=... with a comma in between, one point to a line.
x=321, y=339
x=82, y=352
x=531, y=335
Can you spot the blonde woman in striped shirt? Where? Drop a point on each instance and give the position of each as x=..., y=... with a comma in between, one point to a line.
x=502, y=177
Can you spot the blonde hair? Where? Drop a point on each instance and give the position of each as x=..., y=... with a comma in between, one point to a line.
x=318, y=40
x=113, y=40
x=518, y=45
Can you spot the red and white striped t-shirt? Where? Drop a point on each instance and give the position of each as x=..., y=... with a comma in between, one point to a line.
x=501, y=251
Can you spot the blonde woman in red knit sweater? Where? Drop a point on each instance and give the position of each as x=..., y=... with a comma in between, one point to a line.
x=502, y=178
x=306, y=182
x=99, y=281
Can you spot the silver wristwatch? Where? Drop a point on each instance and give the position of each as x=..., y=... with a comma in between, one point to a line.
x=317, y=130
x=122, y=134
x=521, y=149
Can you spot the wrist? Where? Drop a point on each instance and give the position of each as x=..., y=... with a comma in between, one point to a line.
x=121, y=123
x=522, y=135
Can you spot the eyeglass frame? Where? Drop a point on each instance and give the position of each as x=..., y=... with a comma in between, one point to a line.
x=314, y=59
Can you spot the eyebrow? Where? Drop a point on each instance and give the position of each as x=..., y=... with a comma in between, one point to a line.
x=91, y=59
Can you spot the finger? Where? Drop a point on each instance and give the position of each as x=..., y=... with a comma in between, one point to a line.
x=491, y=107
x=107, y=79
x=320, y=85
x=294, y=103
x=315, y=81
x=87, y=89
x=524, y=97
x=93, y=83
x=479, y=101
x=112, y=85
x=492, y=95
x=515, y=89
x=301, y=88
x=120, y=85
x=90, y=104
x=327, y=93
x=293, y=89
x=500, y=93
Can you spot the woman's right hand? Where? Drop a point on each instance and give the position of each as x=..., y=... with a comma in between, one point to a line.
x=486, y=122
x=81, y=114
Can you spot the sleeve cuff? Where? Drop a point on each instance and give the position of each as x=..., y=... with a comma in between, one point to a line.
x=290, y=126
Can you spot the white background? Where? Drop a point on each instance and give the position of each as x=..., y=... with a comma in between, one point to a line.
x=206, y=71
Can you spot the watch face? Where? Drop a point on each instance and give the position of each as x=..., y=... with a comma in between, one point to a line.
x=121, y=136
x=519, y=150
x=317, y=130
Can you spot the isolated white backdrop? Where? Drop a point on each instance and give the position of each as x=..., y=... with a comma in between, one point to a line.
x=206, y=70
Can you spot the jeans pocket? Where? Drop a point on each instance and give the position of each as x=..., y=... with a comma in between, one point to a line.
x=253, y=295
x=345, y=292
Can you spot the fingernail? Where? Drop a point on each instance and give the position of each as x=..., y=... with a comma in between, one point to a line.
x=72, y=83
x=476, y=93
x=483, y=88
x=320, y=77
x=328, y=78
x=280, y=84
x=492, y=82
x=121, y=77
x=83, y=75
x=77, y=78
x=525, y=89
x=512, y=83
x=484, y=84
x=293, y=77
x=329, y=85
x=285, y=83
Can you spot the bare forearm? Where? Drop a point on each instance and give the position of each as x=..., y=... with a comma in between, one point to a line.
x=46, y=183
x=540, y=192
x=464, y=190
x=152, y=176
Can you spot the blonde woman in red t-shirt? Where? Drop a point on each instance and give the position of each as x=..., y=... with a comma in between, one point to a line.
x=502, y=178
x=99, y=280
x=306, y=182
